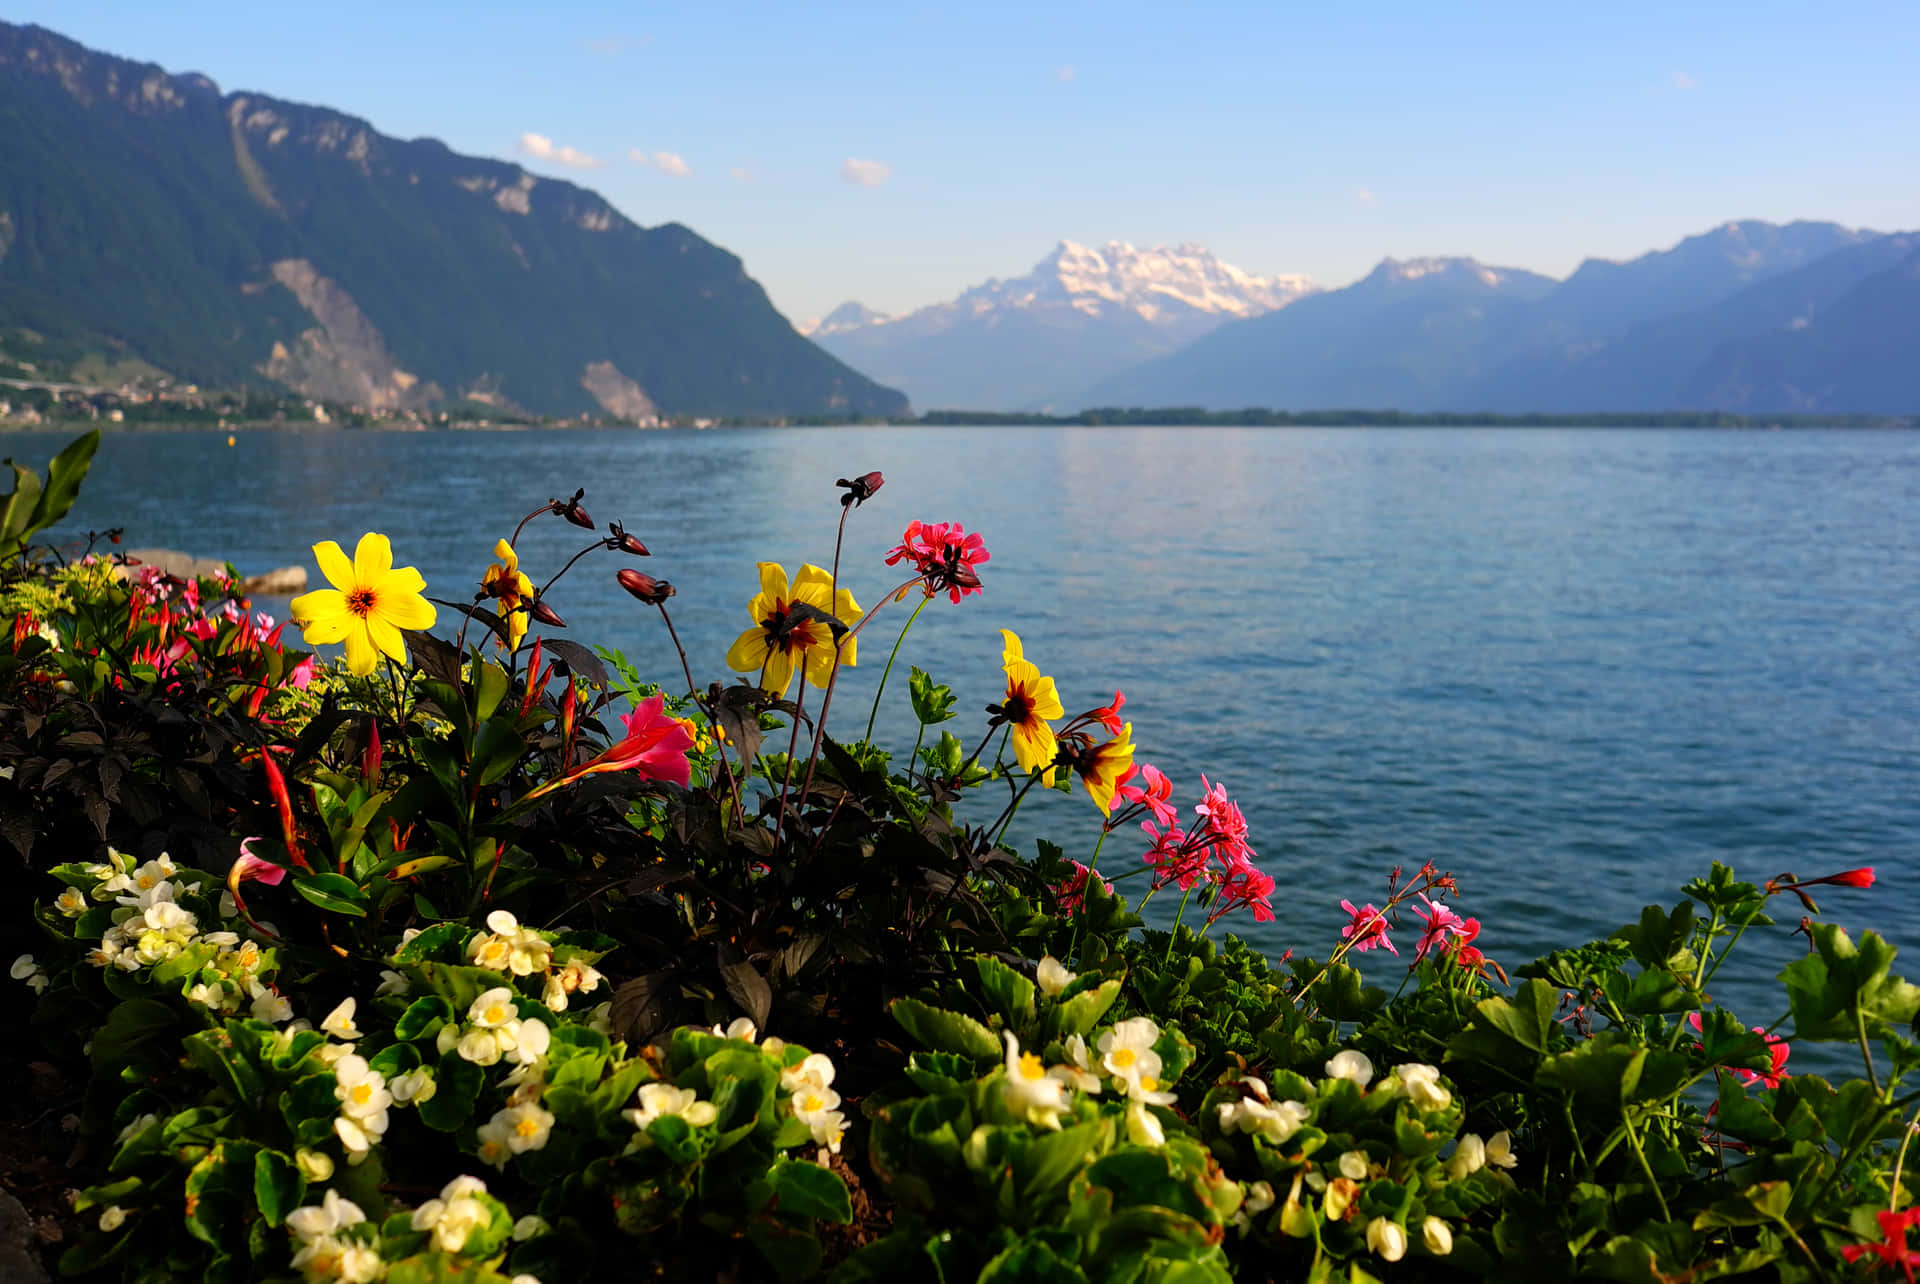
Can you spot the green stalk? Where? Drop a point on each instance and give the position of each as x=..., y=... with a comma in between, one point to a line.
x=889, y=669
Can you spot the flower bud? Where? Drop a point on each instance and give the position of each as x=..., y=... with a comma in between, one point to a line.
x=626, y=543
x=1469, y=1156
x=1437, y=1237
x=315, y=1165
x=1388, y=1239
x=644, y=586
x=860, y=489
x=571, y=510
x=545, y=614
x=1340, y=1197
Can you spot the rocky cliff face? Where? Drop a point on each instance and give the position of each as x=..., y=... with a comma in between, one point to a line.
x=237, y=238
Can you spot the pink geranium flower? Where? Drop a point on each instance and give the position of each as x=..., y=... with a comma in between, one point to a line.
x=1153, y=792
x=1072, y=890
x=1368, y=930
x=1226, y=826
x=251, y=868
x=1438, y=925
x=1176, y=856
x=1244, y=886
x=945, y=555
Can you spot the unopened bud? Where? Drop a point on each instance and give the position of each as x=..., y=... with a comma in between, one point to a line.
x=624, y=542
x=644, y=586
x=861, y=488
x=545, y=614
x=571, y=510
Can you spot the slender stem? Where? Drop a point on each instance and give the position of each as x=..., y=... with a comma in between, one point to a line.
x=1006, y=817
x=599, y=543
x=884, y=673
x=515, y=541
x=786, y=780
x=1179, y=916
x=1086, y=888
x=726, y=767
x=1866, y=1052
x=1633, y=1140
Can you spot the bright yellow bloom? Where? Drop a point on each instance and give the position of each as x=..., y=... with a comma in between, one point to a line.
x=780, y=639
x=1030, y=701
x=511, y=591
x=1104, y=765
x=370, y=602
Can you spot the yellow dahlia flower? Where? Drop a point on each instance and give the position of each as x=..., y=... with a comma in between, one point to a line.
x=370, y=602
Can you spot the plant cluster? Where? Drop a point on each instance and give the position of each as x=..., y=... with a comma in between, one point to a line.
x=451, y=959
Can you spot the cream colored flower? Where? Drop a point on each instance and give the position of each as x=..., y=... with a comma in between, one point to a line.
x=1276, y=1121
x=1421, y=1085
x=1500, y=1150
x=112, y=1217
x=1386, y=1238
x=339, y=1022
x=1436, y=1236
x=1030, y=1091
x=1053, y=977
x=494, y=1008
x=1126, y=1051
x=1142, y=1128
x=1469, y=1156
x=658, y=1100
x=1078, y=1073
x=332, y=1214
x=1352, y=1066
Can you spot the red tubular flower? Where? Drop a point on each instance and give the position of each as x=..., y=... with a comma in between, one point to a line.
x=643, y=586
x=1862, y=877
x=370, y=761
x=655, y=746
x=283, y=802
x=1108, y=716
x=1892, y=1245
x=860, y=489
x=945, y=555
x=1368, y=930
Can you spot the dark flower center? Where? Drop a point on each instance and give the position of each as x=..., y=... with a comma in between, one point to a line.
x=361, y=602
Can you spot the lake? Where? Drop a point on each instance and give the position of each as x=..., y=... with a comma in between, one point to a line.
x=1573, y=667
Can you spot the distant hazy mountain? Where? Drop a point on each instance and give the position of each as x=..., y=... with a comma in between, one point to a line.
x=1036, y=340
x=230, y=238
x=1859, y=354
x=1748, y=316
x=1402, y=337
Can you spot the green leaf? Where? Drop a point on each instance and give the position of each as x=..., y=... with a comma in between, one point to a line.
x=421, y=1016
x=16, y=520
x=278, y=1186
x=457, y=1083
x=931, y=704
x=1757, y=1205
x=1008, y=992
x=944, y=1031
x=1079, y=1014
x=1658, y=936
x=802, y=1189
x=334, y=892
x=1602, y=1071
x=1511, y=1035
x=64, y=475
x=1829, y=989
x=441, y=943
x=493, y=685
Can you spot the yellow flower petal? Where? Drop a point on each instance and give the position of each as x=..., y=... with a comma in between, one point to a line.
x=1034, y=746
x=402, y=609
x=779, y=674
x=1045, y=697
x=372, y=558
x=323, y=621
x=773, y=580
x=334, y=565
x=403, y=579
x=387, y=638
x=1011, y=651
x=508, y=558
x=361, y=654
x=749, y=651
x=814, y=586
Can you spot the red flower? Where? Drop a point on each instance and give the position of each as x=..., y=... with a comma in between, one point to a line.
x=1154, y=796
x=945, y=555
x=1368, y=930
x=1244, y=886
x=1226, y=826
x=1178, y=856
x=1439, y=925
x=1862, y=877
x=655, y=746
x=1072, y=891
x=1108, y=716
x=1892, y=1247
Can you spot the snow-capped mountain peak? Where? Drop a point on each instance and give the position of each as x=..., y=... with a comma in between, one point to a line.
x=1162, y=285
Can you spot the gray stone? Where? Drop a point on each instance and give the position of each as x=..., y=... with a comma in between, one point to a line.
x=284, y=581
x=19, y=1246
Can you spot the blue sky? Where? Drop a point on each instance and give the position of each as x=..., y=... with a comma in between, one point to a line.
x=895, y=153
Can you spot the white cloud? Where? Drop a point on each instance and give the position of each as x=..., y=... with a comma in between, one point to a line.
x=672, y=164
x=1364, y=196
x=1681, y=80
x=540, y=147
x=741, y=173
x=1066, y=73
x=865, y=173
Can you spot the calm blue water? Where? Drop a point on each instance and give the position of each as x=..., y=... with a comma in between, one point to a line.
x=1574, y=667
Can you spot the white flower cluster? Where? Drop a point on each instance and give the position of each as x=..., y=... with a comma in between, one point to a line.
x=514, y=1130
x=814, y=1102
x=454, y=1216
x=521, y=951
x=494, y=1030
x=1038, y=1093
x=25, y=969
x=323, y=1253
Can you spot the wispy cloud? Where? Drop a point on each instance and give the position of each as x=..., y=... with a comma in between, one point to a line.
x=865, y=173
x=1066, y=73
x=1364, y=195
x=741, y=174
x=1681, y=80
x=611, y=45
x=672, y=164
x=540, y=147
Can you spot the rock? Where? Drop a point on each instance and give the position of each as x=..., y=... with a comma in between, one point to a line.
x=19, y=1246
x=283, y=581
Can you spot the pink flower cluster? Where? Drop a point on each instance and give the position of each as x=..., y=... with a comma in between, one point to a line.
x=945, y=555
x=1213, y=851
x=1072, y=890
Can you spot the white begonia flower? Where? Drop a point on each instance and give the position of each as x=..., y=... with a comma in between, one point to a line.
x=739, y=1028
x=1352, y=1066
x=315, y=1165
x=413, y=1086
x=494, y=1008
x=1147, y=1089
x=491, y=1142
x=495, y=953
x=229, y=907
x=1079, y=1073
x=1387, y=1238
x=816, y=1069
x=524, y=1279
x=658, y=1100
x=1353, y=1164
x=268, y=1006
x=1500, y=1150
x=331, y=1259
x=448, y=1038
x=1437, y=1236
x=814, y=1106
x=71, y=902
x=1053, y=977
x=25, y=969
x=533, y=1224
x=224, y=940
x=554, y=995
x=1421, y=1085
x=328, y=1054
x=531, y=1039
x=354, y=1139
x=525, y=950
x=479, y=1047
x=392, y=982
x=153, y=873
x=528, y=1127
x=112, y=1217
x=362, y=1091
x=1030, y=1091
x=1340, y=1197
x=455, y=1215
x=339, y=1022
x=332, y=1214
x=1469, y=1156
x=1275, y=1121
x=1126, y=1051
x=1259, y=1197
x=1142, y=1128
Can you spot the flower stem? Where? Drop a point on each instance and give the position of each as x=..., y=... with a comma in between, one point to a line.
x=1179, y=916
x=1086, y=889
x=889, y=669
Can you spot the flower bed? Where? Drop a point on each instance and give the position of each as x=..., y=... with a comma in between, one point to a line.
x=475, y=954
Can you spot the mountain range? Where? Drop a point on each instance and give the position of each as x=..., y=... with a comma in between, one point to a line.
x=238, y=239
x=1037, y=341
